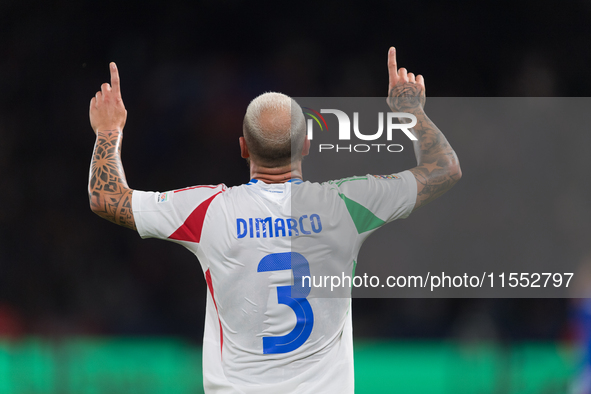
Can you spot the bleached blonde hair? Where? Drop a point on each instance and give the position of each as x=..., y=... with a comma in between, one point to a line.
x=274, y=129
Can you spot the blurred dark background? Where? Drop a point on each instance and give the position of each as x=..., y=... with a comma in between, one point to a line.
x=188, y=71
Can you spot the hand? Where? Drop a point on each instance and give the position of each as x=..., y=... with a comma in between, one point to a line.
x=405, y=92
x=107, y=111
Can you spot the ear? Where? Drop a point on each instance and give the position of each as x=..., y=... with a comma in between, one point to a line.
x=244, y=149
x=306, y=147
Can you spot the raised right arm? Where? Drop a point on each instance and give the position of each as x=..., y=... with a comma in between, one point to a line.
x=108, y=192
x=438, y=166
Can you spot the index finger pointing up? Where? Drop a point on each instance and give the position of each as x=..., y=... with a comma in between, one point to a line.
x=392, y=67
x=115, y=79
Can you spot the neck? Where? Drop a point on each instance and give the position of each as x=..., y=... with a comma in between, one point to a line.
x=276, y=174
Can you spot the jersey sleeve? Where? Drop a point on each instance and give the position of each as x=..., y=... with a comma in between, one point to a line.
x=175, y=215
x=374, y=200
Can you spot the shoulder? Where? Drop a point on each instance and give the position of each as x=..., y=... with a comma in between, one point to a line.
x=180, y=198
x=362, y=182
x=201, y=189
x=387, y=196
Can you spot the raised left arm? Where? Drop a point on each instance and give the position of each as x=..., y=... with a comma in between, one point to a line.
x=438, y=167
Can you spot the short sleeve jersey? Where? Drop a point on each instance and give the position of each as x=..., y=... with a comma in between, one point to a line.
x=265, y=331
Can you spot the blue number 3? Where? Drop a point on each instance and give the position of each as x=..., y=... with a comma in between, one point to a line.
x=292, y=296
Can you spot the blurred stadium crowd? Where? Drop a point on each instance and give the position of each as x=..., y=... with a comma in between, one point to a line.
x=188, y=72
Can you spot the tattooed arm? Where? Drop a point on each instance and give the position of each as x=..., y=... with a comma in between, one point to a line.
x=109, y=195
x=438, y=167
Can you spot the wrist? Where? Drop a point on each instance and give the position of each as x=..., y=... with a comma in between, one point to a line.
x=416, y=111
x=108, y=131
x=408, y=107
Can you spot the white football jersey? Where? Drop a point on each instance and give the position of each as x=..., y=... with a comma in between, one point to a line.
x=269, y=328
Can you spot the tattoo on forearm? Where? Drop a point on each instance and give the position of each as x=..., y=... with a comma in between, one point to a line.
x=110, y=197
x=438, y=166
